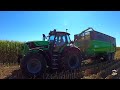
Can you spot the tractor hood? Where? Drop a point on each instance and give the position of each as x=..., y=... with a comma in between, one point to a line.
x=39, y=44
x=31, y=45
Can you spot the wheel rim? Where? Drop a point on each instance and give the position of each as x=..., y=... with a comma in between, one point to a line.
x=34, y=66
x=73, y=62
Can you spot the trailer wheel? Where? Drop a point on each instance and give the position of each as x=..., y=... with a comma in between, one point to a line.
x=112, y=56
x=33, y=65
x=109, y=57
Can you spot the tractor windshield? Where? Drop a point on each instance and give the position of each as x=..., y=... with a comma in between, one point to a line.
x=59, y=39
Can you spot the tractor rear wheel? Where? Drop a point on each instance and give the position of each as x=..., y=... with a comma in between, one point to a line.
x=71, y=61
x=33, y=65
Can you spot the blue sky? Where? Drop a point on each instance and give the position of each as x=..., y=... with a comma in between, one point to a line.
x=30, y=25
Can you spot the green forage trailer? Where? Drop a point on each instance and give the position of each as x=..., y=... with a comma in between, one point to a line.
x=94, y=44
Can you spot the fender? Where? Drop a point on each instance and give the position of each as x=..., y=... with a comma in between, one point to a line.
x=71, y=49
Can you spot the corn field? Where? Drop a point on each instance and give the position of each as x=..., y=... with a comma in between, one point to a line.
x=9, y=51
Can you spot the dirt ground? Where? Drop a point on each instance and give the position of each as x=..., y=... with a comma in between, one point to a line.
x=7, y=71
x=93, y=72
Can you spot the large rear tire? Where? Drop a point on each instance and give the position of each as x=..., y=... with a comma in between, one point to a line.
x=71, y=61
x=33, y=65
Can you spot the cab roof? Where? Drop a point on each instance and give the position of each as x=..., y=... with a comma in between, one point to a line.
x=58, y=33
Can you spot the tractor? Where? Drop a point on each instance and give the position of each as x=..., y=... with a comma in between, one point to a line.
x=57, y=53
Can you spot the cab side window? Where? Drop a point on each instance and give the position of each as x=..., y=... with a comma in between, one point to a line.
x=68, y=39
x=64, y=38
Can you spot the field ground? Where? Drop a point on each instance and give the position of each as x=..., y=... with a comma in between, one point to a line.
x=7, y=70
x=104, y=70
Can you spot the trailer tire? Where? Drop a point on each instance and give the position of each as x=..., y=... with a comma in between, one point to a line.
x=112, y=56
x=109, y=57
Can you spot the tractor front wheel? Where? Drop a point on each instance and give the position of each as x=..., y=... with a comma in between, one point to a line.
x=33, y=65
